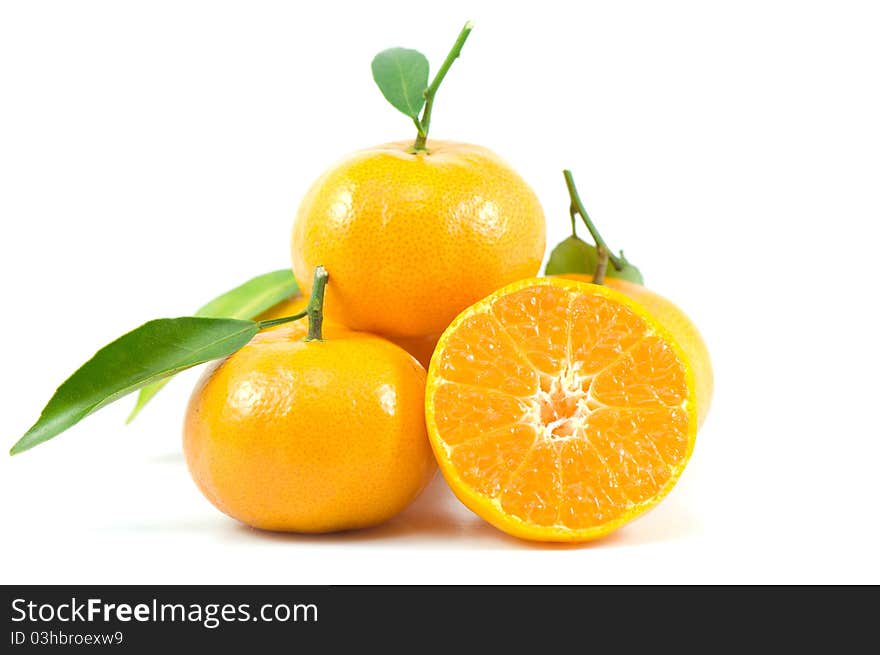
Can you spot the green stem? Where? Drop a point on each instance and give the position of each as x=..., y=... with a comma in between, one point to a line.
x=262, y=325
x=601, y=265
x=315, y=308
x=419, y=129
x=425, y=124
x=578, y=207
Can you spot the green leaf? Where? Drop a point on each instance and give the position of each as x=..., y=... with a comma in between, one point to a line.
x=402, y=77
x=629, y=272
x=572, y=255
x=253, y=297
x=152, y=352
x=246, y=301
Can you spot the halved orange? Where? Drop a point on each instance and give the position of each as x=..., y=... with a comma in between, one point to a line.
x=560, y=410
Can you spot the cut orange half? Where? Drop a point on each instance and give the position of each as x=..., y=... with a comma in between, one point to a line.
x=560, y=410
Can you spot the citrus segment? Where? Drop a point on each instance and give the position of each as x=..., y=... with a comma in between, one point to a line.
x=486, y=461
x=537, y=321
x=647, y=375
x=532, y=491
x=601, y=332
x=560, y=410
x=458, y=403
x=679, y=325
x=493, y=361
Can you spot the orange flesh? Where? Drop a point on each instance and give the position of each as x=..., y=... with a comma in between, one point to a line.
x=566, y=410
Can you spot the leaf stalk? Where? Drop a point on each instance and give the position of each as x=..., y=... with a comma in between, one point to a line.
x=424, y=124
x=577, y=207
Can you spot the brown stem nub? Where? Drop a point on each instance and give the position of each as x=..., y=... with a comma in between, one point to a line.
x=601, y=265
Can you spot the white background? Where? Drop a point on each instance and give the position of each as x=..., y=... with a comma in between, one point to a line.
x=152, y=155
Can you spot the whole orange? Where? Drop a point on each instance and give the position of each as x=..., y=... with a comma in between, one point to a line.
x=310, y=436
x=412, y=239
x=421, y=347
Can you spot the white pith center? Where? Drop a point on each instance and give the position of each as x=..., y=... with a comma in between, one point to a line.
x=562, y=406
